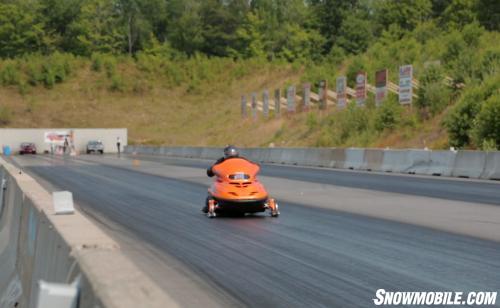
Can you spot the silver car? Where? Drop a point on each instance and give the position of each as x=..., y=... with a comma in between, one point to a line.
x=95, y=146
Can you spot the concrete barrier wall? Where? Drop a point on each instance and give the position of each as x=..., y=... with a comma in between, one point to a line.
x=13, y=137
x=441, y=163
x=373, y=159
x=10, y=217
x=492, y=166
x=469, y=164
x=472, y=164
x=36, y=244
x=354, y=158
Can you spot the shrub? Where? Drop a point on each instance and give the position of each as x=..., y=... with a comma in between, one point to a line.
x=174, y=73
x=60, y=66
x=23, y=88
x=49, y=76
x=433, y=94
x=109, y=63
x=490, y=62
x=117, y=83
x=149, y=62
x=9, y=73
x=489, y=145
x=97, y=59
x=459, y=122
x=388, y=115
x=311, y=121
x=34, y=70
x=486, y=129
x=347, y=123
x=325, y=139
x=48, y=70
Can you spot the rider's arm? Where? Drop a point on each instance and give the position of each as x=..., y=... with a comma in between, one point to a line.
x=210, y=172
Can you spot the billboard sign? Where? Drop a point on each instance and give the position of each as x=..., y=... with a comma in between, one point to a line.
x=380, y=86
x=341, y=91
x=265, y=107
x=323, y=94
x=405, y=87
x=307, y=96
x=56, y=137
x=361, y=88
x=290, y=99
x=277, y=102
x=244, y=106
x=254, y=105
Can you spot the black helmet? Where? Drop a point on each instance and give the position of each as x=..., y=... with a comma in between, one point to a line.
x=231, y=151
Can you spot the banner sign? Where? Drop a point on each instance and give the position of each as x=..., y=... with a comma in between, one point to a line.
x=307, y=96
x=380, y=86
x=341, y=92
x=405, y=87
x=290, y=99
x=56, y=138
x=323, y=94
x=265, y=107
x=277, y=102
x=361, y=88
x=244, y=106
x=254, y=105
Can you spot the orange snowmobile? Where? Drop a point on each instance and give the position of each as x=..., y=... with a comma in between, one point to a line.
x=236, y=189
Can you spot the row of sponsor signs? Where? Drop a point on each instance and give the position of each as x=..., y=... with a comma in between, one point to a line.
x=405, y=92
x=381, y=80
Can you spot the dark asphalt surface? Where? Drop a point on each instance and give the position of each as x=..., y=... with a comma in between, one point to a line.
x=442, y=188
x=308, y=257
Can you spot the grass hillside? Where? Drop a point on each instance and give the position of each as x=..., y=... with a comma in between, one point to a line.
x=179, y=100
x=195, y=102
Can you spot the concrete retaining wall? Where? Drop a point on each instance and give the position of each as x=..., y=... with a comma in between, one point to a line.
x=13, y=137
x=472, y=164
x=36, y=244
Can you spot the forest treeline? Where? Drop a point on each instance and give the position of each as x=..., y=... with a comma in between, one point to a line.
x=288, y=29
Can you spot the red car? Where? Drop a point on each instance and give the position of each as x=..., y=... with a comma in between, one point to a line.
x=27, y=148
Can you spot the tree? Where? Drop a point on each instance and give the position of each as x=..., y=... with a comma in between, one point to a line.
x=220, y=20
x=97, y=29
x=489, y=14
x=406, y=14
x=300, y=44
x=185, y=27
x=249, y=37
x=459, y=13
x=328, y=17
x=355, y=34
x=433, y=94
x=135, y=26
x=58, y=16
x=21, y=31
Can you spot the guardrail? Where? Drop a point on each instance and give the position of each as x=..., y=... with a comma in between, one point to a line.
x=36, y=245
x=467, y=164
